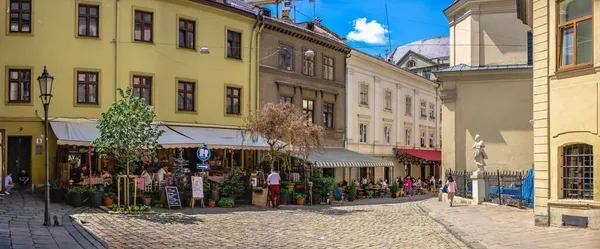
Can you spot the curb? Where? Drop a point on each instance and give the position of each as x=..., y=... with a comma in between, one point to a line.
x=80, y=233
x=456, y=232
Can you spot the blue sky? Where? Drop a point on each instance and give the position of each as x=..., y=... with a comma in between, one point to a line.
x=409, y=20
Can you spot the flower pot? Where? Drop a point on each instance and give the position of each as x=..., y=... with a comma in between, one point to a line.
x=147, y=201
x=96, y=199
x=56, y=194
x=211, y=204
x=76, y=199
x=108, y=201
x=300, y=202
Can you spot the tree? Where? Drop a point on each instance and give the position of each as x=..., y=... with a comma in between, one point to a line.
x=127, y=132
x=282, y=125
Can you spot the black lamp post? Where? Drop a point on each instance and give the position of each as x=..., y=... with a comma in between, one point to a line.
x=46, y=81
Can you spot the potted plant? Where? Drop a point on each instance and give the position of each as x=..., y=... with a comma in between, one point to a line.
x=395, y=190
x=95, y=197
x=352, y=192
x=300, y=198
x=211, y=203
x=108, y=198
x=232, y=187
x=147, y=198
x=76, y=196
x=257, y=189
x=56, y=191
x=322, y=186
x=226, y=203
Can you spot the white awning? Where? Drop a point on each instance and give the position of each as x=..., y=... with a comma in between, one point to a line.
x=220, y=138
x=83, y=133
x=343, y=158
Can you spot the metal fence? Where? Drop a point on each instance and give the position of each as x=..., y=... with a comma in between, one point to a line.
x=463, y=182
x=506, y=188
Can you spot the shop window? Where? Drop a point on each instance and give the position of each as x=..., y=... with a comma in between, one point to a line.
x=187, y=34
x=233, y=100
x=578, y=172
x=19, y=85
x=234, y=45
x=20, y=16
x=87, y=88
x=88, y=21
x=143, y=26
x=142, y=88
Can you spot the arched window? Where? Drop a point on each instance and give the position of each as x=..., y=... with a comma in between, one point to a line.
x=411, y=64
x=578, y=172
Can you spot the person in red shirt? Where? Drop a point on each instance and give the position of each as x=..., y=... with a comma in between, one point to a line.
x=409, y=187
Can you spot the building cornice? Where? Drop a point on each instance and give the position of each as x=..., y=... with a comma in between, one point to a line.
x=462, y=9
x=305, y=35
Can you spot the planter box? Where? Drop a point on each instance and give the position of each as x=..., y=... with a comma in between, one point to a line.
x=106, y=209
x=260, y=199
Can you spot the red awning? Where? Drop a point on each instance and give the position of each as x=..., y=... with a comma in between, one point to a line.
x=427, y=155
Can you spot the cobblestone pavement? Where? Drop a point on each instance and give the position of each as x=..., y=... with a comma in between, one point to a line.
x=21, y=224
x=392, y=225
x=486, y=226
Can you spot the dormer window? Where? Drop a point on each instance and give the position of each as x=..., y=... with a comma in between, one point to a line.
x=411, y=64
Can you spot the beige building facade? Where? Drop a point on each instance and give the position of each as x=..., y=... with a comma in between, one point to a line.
x=391, y=110
x=566, y=110
x=487, y=88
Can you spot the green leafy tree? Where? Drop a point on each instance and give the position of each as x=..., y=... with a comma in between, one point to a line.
x=127, y=132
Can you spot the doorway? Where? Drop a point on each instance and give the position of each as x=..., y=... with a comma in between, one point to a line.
x=386, y=174
x=19, y=155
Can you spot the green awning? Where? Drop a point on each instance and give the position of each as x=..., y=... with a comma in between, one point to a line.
x=343, y=158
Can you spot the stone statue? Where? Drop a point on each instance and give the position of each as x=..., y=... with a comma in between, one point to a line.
x=479, y=154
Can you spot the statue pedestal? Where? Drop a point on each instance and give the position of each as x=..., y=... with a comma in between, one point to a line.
x=478, y=187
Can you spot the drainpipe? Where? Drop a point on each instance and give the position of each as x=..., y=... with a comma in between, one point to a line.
x=258, y=19
x=257, y=74
x=416, y=117
x=346, y=110
x=116, y=41
x=437, y=118
x=374, y=113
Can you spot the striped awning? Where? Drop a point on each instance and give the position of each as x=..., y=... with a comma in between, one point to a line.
x=343, y=158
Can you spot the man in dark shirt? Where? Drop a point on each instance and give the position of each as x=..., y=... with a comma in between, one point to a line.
x=24, y=179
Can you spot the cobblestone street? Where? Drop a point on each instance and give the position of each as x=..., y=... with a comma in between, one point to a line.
x=398, y=225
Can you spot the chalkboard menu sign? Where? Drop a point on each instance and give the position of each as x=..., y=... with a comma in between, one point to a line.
x=172, y=197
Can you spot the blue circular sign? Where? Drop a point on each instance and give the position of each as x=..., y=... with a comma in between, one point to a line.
x=203, y=153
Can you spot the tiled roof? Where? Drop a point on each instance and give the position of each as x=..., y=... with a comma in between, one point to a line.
x=432, y=48
x=463, y=68
x=302, y=26
x=242, y=5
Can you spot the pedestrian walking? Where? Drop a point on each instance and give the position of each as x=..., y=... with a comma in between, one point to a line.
x=273, y=180
x=451, y=189
x=409, y=187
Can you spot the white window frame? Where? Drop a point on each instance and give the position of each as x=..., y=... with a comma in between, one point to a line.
x=423, y=139
x=423, y=108
x=387, y=130
x=364, y=95
x=431, y=139
x=388, y=100
x=407, y=135
x=431, y=110
x=363, y=133
x=408, y=105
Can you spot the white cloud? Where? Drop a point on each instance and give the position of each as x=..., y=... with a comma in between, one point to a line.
x=368, y=32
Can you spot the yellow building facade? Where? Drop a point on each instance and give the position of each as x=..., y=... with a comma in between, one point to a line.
x=92, y=47
x=566, y=110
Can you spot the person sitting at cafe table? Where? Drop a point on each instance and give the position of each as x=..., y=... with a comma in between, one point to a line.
x=162, y=172
x=85, y=173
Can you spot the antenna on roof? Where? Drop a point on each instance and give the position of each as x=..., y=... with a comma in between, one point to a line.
x=317, y=20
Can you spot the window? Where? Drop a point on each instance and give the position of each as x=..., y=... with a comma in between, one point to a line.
x=408, y=104
x=386, y=134
x=187, y=34
x=20, y=16
x=363, y=129
x=286, y=100
x=233, y=100
x=308, y=65
x=529, y=48
x=185, y=96
x=575, y=33
x=427, y=74
x=88, y=20
x=327, y=68
x=388, y=100
x=142, y=88
x=431, y=139
x=286, y=58
x=308, y=107
x=87, y=88
x=578, y=172
x=364, y=94
x=423, y=108
x=143, y=26
x=19, y=85
x=407, y=140
x=411, y=64
x=234, y=45
x=431, y=110
x=423, y=138
x=328, y=115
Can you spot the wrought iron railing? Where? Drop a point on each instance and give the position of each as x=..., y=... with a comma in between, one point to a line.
x=506, y=188
x=464, y=184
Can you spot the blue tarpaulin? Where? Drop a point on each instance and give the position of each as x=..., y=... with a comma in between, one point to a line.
x=527, y=189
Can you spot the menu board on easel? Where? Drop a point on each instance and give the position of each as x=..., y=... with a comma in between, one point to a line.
x=173, y=199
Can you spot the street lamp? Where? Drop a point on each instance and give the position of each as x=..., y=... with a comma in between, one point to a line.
x=309, y=54
x=46, y=81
